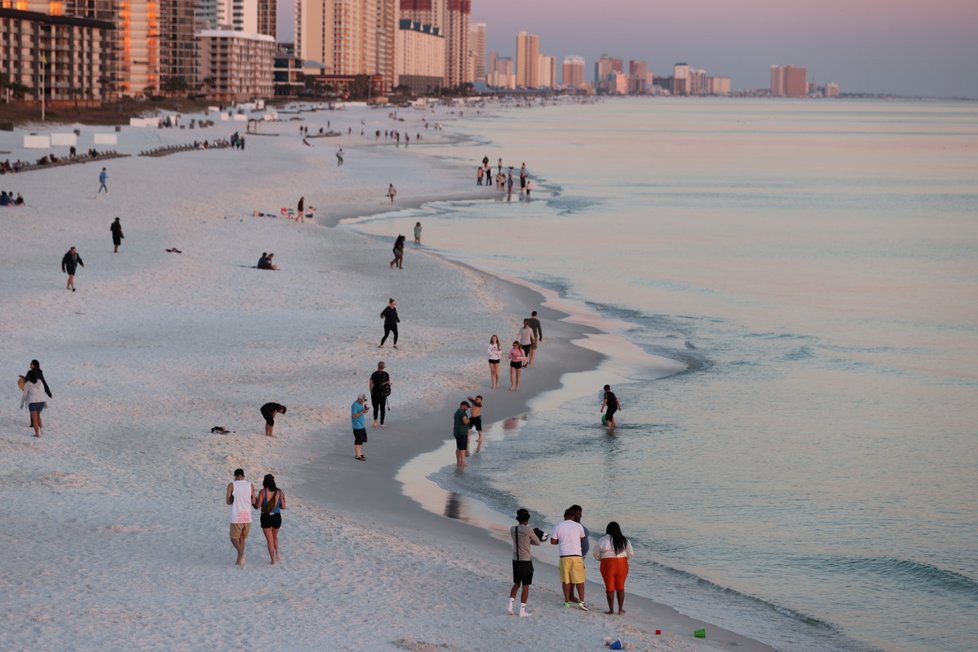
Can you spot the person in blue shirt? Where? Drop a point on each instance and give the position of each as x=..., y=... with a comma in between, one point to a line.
x=102, y=178
x=357, y=412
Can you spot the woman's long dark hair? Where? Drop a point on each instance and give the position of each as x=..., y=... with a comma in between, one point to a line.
x=618, y=540
x=269, y=483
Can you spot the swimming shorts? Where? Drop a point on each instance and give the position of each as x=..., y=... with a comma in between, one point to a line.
x=273, y=521
x=461, y=442
x=572, y=570
x=476, y=422
x=359, y=436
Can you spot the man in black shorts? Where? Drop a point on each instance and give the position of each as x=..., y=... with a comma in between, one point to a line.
x=523, y=537
x=461, y=432
x=610, y=405
x=269, y=410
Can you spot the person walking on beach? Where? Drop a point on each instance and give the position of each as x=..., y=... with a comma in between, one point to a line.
x=391, y=192
x=391, y=320
x=479, y=172
x=36, y=395
x=613, y=551
x=534, y=322
x=269, y=410
x=69, y=265
x=398, y=253
x=527, y=340
x=380, y=388
x=102, y=178
x=523, y=537
x=517, y=360
x=475, y=422
x=569, y=536
x=461, y=432
x=357, y=412
x=609, y=406
x=495, y=353
x=271, y=502
x=240, y=495
x=116, y=228
x=417, y=233
x=339, y=158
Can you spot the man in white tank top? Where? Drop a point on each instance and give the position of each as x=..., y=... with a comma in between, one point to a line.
x=240, y=496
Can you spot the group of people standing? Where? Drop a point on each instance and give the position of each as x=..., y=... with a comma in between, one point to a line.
x=613, y=552
x=521, y=354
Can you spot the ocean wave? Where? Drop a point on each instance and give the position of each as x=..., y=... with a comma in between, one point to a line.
x=914, y=575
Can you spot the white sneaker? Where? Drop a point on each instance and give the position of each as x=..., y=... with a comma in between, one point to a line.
x=510, y=612
x=525, y=614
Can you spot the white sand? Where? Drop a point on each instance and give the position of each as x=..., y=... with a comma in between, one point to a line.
x=115, y=530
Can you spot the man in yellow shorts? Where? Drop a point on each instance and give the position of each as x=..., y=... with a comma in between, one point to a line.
x=569, y=536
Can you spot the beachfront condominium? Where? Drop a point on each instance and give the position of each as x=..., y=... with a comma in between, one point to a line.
x=638, y=77
x=420, y=57
x=347, y=37
x=680, y=79
x=132, y=61
x=604, y=69
x=547, y=77
x=179, y=22
x=54, y=58
x=789, y=81
x=573, y=72
x=453, y=17
x=501, y=72
x=237, y=65
x=527, y=60
x=477, y=52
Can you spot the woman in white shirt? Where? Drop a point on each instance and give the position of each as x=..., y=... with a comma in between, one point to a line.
x=613, y=551
x=495, y=353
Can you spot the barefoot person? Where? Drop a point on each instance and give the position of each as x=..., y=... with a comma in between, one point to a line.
x=609, y=406
x=69, y=265
x=475, y=422
x=240, y=495
x=523, y=537
x=517, y=359
x=495, y=353
x=417, y=233
x=271, y=502
x=36, y=395
x=461, y=432
x=613, y=551
x=269, y=410
x=358, y=411
x=380, y=388
x=391, y=192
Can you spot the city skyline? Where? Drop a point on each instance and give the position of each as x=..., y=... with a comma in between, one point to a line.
x=908, y=47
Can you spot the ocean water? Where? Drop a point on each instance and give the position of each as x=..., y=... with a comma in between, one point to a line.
x=809, y=476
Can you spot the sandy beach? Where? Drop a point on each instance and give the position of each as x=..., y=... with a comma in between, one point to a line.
x=117, y=531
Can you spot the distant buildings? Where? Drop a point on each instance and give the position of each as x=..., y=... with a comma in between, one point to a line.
x=420, y=56
x=573, y=72
x=527, y=60
x=477, y=52
x=236, y=65
x=502, y=72
x=789, y=81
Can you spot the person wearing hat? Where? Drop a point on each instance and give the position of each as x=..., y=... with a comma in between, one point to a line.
x=461, y=432
x=523, y=537
x=357, y=412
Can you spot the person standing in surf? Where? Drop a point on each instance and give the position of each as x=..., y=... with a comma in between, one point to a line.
x=609, y=406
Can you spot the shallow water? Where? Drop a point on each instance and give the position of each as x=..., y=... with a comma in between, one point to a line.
x=809, y=479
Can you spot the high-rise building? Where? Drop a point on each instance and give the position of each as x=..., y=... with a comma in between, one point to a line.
x=699, y=83
x=501, y=73
x=789, y=81
x=604, y=68
x=67, y=49
x=179, y=23
x=831, y=90
x=477, y=51
x=458, y=14
x=719, y=85
x=237, y=65
x=267, y=20
x=347, y=37
x=680, y=79
x=527, y=60
x=420, y=57
x=638, y=74
x=573, y=72
x=132, y=57
x=547, y=76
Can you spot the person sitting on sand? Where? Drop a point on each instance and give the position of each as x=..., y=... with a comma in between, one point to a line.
x=265, y=262
x=20, y=200
x=4, y=198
